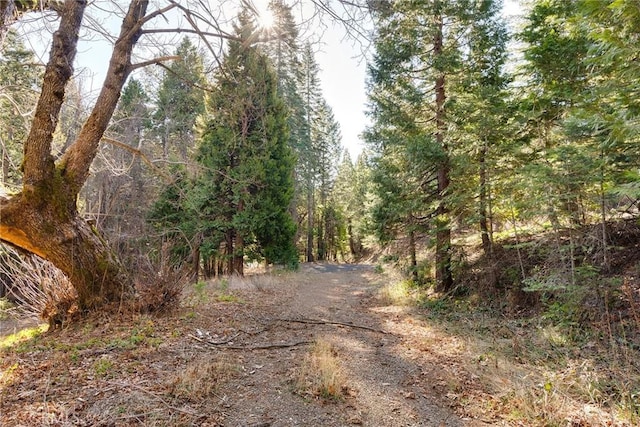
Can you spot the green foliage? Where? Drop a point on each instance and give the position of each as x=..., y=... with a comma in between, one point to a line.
x=242, y=194
x=5, y=308
x=173, y=215
x=103, y=367
x=438, y=110
x=180, y=101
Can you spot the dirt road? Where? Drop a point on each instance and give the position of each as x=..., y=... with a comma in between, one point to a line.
x=382, y=386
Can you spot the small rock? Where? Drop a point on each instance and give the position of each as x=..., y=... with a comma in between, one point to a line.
x=409, y=395
x=355, y=420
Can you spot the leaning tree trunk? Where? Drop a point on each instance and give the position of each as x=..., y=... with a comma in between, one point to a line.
x=45, y=227
x=43, y=219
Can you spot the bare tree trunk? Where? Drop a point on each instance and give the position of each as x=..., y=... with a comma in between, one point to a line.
x=195, y=258
x=484, y=195
x=603, y=217
x=238, y=255
x=310, y=224
x=412, y=251
x=444, y=278
x=229, y=251
x=238, y=250
x=352, y=243
x=7, y=17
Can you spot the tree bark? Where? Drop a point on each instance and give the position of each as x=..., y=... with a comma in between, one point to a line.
x=43, y=219
x=310, y=225
x=412, y=251
x=45, y=228
x=444, y=278
x=482, y=208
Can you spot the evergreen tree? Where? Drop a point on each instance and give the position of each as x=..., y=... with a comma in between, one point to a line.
x=326, y=139
x=423, y=50
x=284, y=52
x=173, y=216
x=350, y=197
x=480, y=110
x=245, y=184
x=318, y=152
x=307, y=167
x=180, y=101
x=610, y=119
x=556, y=51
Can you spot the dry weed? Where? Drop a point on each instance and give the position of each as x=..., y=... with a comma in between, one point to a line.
x=200, y=378
x=159, y=288
x=529, y=387
x=259, y=282
x=38, y=287
x=321, y=374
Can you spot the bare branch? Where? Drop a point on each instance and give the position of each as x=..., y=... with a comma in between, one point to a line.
x=189, y=31
x=138, y=153
x=154, y=14
x=76, y=161
x=156, y=61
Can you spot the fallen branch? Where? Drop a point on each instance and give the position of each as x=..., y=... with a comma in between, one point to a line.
x=213, y=342
x=329, y=322
x=268, y=346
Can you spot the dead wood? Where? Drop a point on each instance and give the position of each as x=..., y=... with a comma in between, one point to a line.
x=208, y=340
x=329, y=322
x=269, y=346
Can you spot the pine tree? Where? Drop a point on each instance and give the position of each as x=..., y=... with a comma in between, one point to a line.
x=350, y=198
x=423, y=50
x=480, y=110
x=555, y=53
x=284, y=52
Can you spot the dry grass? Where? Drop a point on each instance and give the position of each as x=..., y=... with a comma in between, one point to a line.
x=539, y=376
x=200, y=378
x=321, y=374
x=396, y=289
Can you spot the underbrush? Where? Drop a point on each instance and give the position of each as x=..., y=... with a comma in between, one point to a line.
x=552, y=334
x=535, y=370
x=547, y=373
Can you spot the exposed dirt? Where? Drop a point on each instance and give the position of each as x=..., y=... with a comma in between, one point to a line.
x=383, y=386
x=205, y=366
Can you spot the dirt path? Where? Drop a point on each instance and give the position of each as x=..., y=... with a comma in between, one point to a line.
x=381, y=387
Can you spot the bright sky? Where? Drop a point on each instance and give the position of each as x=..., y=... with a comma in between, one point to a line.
x=343, y=73
x=343, y=76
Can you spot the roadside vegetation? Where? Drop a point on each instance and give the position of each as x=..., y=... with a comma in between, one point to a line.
x=542, y=352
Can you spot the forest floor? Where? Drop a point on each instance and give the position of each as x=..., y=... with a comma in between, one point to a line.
x=331, y=345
